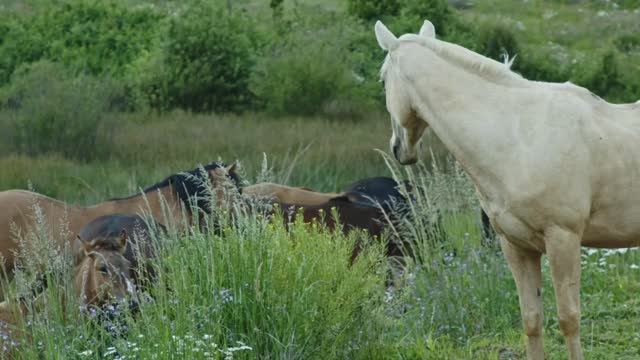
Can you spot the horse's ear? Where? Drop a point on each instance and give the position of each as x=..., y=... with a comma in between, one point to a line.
x=386, y=39
x=232, y=167
x=428, y=30
x=81, y=247
x=122, y=241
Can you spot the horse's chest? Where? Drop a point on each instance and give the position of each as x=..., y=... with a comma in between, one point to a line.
x=518, y=231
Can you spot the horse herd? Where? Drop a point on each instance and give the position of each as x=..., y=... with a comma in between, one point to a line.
x=554, y=166
x=111, y=240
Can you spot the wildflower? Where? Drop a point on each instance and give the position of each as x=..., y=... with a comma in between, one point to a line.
x=591, y=251
x=634, y=266
x=110, y=351
x=86, y=353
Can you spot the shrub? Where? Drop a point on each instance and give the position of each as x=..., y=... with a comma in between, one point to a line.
x=49, y=111
x=305, y=77
x=209, y=57
x=436, y=11
x=628, y=43
x=495, y=41
x=372, y=9
x=93, y=36
x=606, y=80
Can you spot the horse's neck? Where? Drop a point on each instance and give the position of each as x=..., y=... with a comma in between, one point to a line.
x=161, y=204
x=471, y=116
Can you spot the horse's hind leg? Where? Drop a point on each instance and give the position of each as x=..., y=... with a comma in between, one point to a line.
x=563, y=249
x=526, y=270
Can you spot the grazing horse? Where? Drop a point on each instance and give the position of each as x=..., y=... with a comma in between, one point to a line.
x=24, y=211
x=366, y=192
x=142, y=235
x=101, y=277
x=350, y=216
x=553, y=164
x=378, y=191
x=367, y=204
x=102, y=272
x=288, y=194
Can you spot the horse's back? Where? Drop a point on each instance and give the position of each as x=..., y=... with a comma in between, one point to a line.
x=288, y=194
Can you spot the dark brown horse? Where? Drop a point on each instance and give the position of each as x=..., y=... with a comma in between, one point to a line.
x=369, y=204
x=350, y=216
x=167, y=201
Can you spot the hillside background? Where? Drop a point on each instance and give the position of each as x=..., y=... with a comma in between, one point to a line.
x=146, y=87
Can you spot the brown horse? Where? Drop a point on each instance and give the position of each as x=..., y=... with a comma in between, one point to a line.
x=22, y=211
x=141, y=246
x=368, y=204
x=288, y=194
x=101, y=277
x=102, y=272
x=350, y=216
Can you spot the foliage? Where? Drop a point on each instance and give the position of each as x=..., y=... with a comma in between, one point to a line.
x=302, y=79
x=96, y=37
x=373, y=9
x=496, y=41
x=51, y=111
x=628, y=42
x=209, y=57
x=607, y=80
x=436, y=11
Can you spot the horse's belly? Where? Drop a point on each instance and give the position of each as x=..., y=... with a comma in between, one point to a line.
x=613, y=230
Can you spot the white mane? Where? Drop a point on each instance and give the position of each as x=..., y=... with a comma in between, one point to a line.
x=482, y=66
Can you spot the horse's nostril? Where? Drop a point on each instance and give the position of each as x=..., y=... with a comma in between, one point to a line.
x=396, y=148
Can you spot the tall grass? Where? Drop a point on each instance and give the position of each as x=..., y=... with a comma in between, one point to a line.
x=253, y=289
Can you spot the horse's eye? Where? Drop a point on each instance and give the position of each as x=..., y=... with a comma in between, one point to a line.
x=103, y=269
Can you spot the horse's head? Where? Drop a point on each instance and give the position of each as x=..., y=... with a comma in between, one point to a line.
x=408, y=127
x=207, y=186
x=102, y=272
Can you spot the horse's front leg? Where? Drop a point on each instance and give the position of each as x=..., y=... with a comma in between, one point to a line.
x=563, y=250
x=526, y=270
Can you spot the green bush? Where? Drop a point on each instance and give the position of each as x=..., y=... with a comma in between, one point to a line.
x=495, y=41
x=628, y=43
x=373, y=9
x=436, y=11
x=95, y=37
x=49, y=111
x=209, y=57
x=306, y=77
x=607, y=81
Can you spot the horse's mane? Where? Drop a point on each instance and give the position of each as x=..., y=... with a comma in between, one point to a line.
x=482, y=66
x=190, y=184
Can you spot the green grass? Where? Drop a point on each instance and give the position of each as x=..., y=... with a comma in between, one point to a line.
x=295, y=295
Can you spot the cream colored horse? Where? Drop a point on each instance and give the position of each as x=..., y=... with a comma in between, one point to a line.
x=555, y=167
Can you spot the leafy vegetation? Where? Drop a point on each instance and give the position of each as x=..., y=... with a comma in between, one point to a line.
x=101, y=98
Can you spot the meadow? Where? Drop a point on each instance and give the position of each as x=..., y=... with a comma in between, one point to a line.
x=256, y=290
